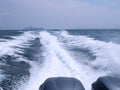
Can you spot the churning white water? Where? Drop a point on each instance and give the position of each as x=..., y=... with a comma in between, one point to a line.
x=59, y=63
x=107, y=53
x=12, y=48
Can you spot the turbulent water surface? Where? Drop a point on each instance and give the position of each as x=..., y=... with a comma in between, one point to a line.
x=28, y=58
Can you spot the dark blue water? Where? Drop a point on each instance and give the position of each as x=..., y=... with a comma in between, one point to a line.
x=100, y=34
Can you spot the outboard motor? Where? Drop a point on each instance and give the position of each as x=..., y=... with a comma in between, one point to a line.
x=62, y=83
x=107, y=83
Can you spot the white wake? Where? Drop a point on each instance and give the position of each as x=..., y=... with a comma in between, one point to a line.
x=107, y=53
x=13, y=47
x=58, y=63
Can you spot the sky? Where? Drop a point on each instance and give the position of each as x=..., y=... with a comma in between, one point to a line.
x=60, y=14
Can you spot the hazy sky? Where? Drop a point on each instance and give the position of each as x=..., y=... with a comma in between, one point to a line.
x=59, y=13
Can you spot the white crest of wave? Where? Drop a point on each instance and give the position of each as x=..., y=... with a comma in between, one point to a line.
x=57, y=63
x=107, y=53
x=12, y=47
x=9, y=47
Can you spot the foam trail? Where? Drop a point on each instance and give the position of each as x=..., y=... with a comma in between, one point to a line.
x=107, y=53
x=57, y=62
x=12, y=48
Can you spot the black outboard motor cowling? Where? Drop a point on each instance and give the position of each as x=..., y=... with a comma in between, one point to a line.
x=62, y=83
x=107, y=83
